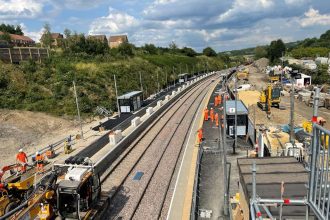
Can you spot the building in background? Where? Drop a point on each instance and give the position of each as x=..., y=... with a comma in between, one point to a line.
x=19, y=40
x=115, y=41
x=57, y=39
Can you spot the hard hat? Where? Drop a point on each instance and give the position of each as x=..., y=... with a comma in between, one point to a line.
x=20, y=150
x=37, y=153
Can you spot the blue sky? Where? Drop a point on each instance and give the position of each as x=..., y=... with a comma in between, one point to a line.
x=221, y=24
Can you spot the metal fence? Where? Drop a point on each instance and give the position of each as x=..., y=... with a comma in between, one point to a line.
x=319, y=181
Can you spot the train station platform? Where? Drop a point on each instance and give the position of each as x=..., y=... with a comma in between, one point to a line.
x=182, y=199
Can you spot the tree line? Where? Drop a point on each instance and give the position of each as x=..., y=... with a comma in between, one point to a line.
x=74, y=43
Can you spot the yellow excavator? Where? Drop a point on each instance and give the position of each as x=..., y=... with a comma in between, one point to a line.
x=12, y=193
x=270, y=97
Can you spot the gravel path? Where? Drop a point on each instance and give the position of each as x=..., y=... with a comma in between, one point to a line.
x=162, y=135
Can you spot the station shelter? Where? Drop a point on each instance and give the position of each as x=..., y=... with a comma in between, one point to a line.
x=130, y=102
x=183, y=77
x=242, y=118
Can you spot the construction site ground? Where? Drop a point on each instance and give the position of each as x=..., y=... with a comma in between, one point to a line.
x=259, y=80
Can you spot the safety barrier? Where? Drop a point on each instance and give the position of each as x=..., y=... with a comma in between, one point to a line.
x=319, y=180
x=136, y=121
x=115, y=137
x=149, y=111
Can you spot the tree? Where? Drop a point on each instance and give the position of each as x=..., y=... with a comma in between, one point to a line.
x=67, y=33
x=260, y=52
x=173, y=47
x=275, y=50
x=46, y=38
x=208, y=51
x=11, y=29
x=18, y=30
x=189, y=52
x=151, y=48
x=126, y=49
x=6, y=37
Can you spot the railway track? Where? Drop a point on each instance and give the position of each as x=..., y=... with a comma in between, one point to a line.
x=155, y=155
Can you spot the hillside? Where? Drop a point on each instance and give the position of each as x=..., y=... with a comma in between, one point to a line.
x=47, y=87
x=309, y=47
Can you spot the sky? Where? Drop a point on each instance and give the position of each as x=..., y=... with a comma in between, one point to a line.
x=220, y=24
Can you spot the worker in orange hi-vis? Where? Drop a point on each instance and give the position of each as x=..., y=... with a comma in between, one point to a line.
x=200, y=135
x=40, y=162
x=22, y=159
x=219, y=100
x=216, y=119
x=206, y=114
x=212, y=114
x=216, y=101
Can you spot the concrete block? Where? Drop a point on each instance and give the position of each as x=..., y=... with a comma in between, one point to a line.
x=149, y=111
x=167, y=97
x=179, y=89
x=115, y=137
x=173, y=93
x=136, y=121
x=183, y=87
x=159, y=103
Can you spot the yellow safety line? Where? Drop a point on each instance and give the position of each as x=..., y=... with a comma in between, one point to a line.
x=190, y=185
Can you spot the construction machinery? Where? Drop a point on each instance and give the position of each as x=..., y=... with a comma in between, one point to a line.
x=70, y=191
x=14, y=192
x=274, y=75
x=243, y=75
x=270, y=97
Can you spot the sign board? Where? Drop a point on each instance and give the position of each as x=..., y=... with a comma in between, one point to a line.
x=231, y=110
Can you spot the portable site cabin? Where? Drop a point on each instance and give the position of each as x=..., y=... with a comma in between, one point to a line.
x=242, y=118
x=304, y=80
x=130, y=102
x=183, y=77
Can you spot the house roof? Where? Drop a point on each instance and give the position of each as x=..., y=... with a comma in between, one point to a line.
x=130, y=94
x=118, y=38
x=19, y=37
x=56, y=35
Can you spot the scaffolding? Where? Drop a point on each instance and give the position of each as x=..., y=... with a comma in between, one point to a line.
x=318, y=195
x=319, y=181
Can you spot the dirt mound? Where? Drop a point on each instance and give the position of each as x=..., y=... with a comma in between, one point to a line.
x=29, y=130
x=261, y=64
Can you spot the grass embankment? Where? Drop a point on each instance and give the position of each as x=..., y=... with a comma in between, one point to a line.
x=47, y=87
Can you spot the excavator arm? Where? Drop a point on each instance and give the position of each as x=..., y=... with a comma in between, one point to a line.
x=7, y=168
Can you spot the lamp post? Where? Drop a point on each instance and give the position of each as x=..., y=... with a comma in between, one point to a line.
x=77, y=103
x=114, y=77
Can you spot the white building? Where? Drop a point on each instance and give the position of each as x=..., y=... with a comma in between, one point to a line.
x=309, y=64
x=322, y=60
x=305, y=80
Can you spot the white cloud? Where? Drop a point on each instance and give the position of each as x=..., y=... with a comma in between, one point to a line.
x=243, y=7
x=34, y=35
x=313, y=17
x=296, y=2
x=116, y=22
x=20, y=9
x=82, y=4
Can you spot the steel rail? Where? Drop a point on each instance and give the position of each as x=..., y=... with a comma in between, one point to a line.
x=141, y=156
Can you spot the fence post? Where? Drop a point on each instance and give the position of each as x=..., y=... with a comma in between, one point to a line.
x=9, y=51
